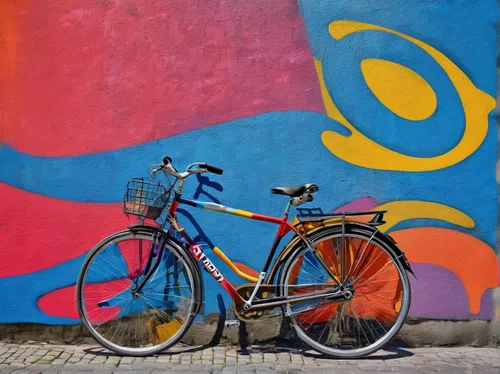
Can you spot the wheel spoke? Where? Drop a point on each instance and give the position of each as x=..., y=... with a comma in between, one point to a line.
x=359, y=322
x=353, y=268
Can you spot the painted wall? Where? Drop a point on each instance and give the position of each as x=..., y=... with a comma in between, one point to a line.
x=386, y=105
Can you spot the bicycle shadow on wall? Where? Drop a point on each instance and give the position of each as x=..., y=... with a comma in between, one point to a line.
x=201, y=237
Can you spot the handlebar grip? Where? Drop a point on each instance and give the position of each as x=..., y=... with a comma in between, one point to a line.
x=214, y=169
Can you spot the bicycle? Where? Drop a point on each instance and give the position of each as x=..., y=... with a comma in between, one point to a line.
x=340, y=282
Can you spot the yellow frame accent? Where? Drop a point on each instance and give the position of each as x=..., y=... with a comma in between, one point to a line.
x=233, y=267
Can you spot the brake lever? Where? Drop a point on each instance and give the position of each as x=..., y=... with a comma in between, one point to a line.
x=154, y=171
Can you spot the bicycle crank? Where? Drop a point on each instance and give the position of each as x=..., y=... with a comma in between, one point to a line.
x=265, y=291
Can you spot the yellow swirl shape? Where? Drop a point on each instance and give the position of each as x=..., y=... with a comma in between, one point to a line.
x=359, y=150
x=403, y=210
x=401, y=90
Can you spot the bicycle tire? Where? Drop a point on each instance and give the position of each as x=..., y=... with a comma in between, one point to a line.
x=174, y=329
x=321, y=236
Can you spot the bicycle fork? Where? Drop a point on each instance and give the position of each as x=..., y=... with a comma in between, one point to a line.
x=152, y=269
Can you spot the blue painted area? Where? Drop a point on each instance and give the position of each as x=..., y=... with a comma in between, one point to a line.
x=285, y=148
x=349, y=91
x=434, y=23
x=265, y=151
x=463, y=30
x=20, y=294
x=166, y=287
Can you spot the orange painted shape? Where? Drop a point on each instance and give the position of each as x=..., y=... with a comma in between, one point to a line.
x=473, y=261
x=378, y=287
x=246, y=269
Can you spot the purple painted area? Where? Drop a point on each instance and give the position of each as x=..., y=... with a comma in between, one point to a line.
x=439, y=293
x=363, y=203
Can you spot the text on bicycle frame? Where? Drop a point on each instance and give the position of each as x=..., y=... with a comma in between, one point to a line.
x=200, y=256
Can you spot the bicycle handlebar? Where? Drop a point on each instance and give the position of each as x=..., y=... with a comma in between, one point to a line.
x=167, y=166
x=213, y=169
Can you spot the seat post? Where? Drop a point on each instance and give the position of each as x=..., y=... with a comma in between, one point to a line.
x=287, y=209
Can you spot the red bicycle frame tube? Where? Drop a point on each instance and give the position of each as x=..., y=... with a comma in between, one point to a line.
x=196, y=250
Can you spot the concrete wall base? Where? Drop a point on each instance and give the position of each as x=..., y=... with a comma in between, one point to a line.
x=213, y=331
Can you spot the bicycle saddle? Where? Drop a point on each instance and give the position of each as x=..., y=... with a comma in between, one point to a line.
x=295, y=191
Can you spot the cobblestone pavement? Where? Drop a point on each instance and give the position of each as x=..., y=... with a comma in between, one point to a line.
x=45, y=358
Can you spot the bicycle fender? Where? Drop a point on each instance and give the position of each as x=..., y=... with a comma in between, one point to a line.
x=287, y=250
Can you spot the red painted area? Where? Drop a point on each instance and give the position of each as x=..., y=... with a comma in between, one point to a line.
x=136, y=253
x=39, y=232
x=89, y=76
x=62, y=302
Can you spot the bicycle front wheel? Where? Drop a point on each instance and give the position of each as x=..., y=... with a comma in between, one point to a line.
x=365, y=265
x=137, y=323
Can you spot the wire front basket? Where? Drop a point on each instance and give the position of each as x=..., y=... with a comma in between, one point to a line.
x=145, y=199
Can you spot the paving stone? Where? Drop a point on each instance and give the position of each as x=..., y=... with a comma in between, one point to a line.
x=231, y=361
x=127, y=359
x=17, y=364
x=59, y=361
x=243, y=359
x=83, y=362
x=175, y=358
x=256, y=358
x=217, y=354
x=163, y=359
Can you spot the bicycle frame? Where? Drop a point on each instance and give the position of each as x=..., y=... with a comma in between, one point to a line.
x=283, y=228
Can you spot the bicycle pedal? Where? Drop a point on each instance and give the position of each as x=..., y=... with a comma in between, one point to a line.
x=231, y=323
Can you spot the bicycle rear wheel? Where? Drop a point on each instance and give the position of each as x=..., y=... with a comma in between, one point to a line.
x=374, y=274
x=143, y=323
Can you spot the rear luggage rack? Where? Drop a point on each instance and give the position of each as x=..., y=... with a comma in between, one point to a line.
x=306, y=215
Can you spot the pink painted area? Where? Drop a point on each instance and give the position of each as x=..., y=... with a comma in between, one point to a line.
x=62, y=302
x=135, y=253
x=359, y=205
x=90, y=75
x=39, y=232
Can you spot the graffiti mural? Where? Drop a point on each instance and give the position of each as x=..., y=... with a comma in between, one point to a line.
x=385, y=106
